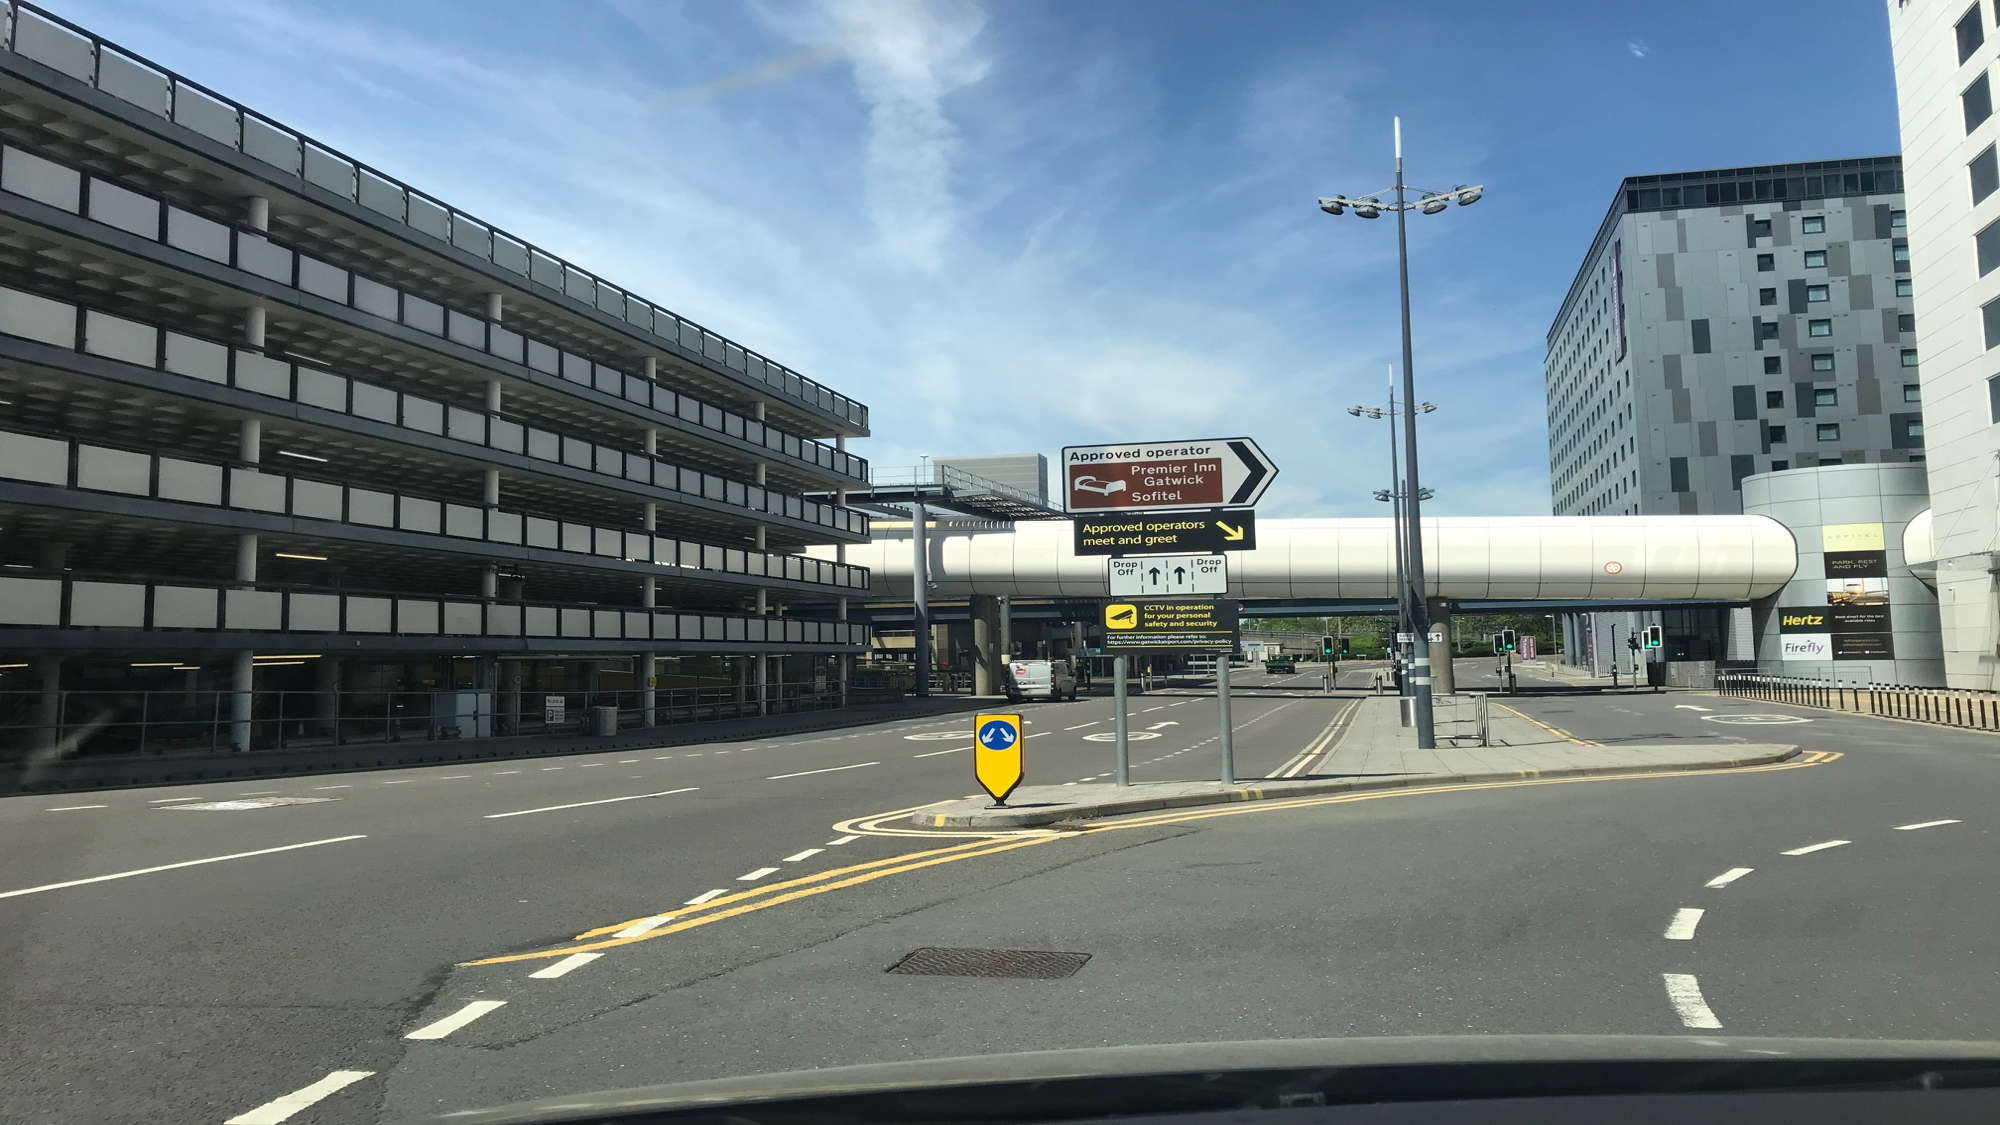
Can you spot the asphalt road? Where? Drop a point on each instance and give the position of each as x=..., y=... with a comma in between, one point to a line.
x=205, y=992
x=190, y=953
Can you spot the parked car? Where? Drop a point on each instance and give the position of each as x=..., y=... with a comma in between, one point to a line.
x=1040, y=679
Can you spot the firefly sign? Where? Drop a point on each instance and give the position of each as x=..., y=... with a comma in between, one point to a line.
x=1165, y=476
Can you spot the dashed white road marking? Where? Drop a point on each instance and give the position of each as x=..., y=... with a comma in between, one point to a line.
x=804, y=855
x=841, y=840
x=753, y=876
x=573, y=961
x=400, y=781
x=664, y=758
x=1091, y=723
x=504, y=773
x=472, y=1011
x=1684, y=993
x=1681, y=927
x=174, y=866
x=705, y=896
x=169, y=800
x=935, y=753
x=626, y=761
x=333, y=787
x=645, y=925
x=1925, y=824
x=75, y=808
x=592, y=765
x=280, y=1109
x=1729, y=876
x=454, y=777
x=550, y=769
x=1690, y=707
x=829, y=769
x=583, y=804
x=1819, y=847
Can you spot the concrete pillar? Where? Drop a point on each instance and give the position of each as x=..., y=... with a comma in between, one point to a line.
x=326, y=695
x=742, y=677
x=49, y=705
x=53, y=555
x=246, y=557
x=494, y=396
x=651, y=369
x=650, y=441
x=254, y=322
x=1439, y=612
x=920, y=598
x=649, y=516
x=250, y=441
x=647, y=670
x=489, y=581
x=844, y=663
x=507, y=706
x=763, y=662
x=490, y=487
x=496, y=306
x=257, y=213
x=988, y=674
x=242, y=683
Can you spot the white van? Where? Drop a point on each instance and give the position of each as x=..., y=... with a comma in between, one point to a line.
x=1040, y=679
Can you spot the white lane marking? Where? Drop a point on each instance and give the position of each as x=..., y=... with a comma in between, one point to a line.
x=1684, y=993
x=592, y=765
x=1819, y=847
x=705, y=896
x=842, y=840
x=807, y=854
x=1182, y=703
x=280, y=1109
x=261, y=793
x=504, y=773
x=333, y=787
x=645, y=925
x=1091, y=723
x=75, y=808
x=404, y=781
x=583, y=804
x=753, y=876
x=170, y=800
x=573, y=961
x=1729, y=876
x=172, y=866
x=472, y=1011
x=1681, y=928
x=1161, y=707
x=1690, y=707
x=550, y=769
x=454, y=777
x=1924, y=824
x=626, y=761
x=664, y=758
x=829, y=769
x=935, y=753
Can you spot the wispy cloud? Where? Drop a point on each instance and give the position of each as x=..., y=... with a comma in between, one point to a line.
x=1638, y=48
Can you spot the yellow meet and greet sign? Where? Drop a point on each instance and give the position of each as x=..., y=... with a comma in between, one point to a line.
x=996, y=754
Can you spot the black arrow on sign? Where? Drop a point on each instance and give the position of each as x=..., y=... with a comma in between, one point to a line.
x=1155, y=575
x=1180, y=575
x=1257, y=471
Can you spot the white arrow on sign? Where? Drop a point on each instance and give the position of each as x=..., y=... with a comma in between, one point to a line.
x=1165, y=476
x=1166, y=574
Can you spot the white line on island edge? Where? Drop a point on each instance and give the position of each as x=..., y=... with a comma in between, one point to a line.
x=573, y=961
x=753, y=876
x=645, y=925
x=584, y=804
x=705, y=896
x=1925, y=824
x=1681, y=928
x=75, y=808
x=278, y=1110
x=1684, y=993
x=472, y=1011
x=1819, y=847
x=173, y=866
x=841, y=840
x=1729, y=876
x=829, y=769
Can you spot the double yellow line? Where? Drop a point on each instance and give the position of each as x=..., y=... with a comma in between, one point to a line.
x=1555, y=730
x=1328, y=738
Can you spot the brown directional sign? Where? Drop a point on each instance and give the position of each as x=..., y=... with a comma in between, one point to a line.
x=1228, y=529
x=1165, y=476
x=1187, y=624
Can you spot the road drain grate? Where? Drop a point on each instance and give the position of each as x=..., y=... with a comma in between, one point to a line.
x=1027, y=964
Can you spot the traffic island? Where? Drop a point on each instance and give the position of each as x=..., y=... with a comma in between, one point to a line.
x=1041, y=805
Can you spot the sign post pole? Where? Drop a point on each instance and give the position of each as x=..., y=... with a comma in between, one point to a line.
x=1119, y=719
x=1222, y=674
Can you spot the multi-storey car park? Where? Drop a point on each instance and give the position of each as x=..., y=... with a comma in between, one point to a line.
x=292, y=452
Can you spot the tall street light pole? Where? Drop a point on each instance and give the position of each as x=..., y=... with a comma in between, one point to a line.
x=1399, y=527
x=1371, y=207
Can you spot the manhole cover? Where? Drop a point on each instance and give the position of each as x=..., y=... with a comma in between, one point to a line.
x=1029, y=964
x=245, y=804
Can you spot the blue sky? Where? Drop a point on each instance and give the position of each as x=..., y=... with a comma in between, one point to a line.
x=1017, y=225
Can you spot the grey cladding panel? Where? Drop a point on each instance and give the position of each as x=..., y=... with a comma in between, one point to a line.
x=1705, y=438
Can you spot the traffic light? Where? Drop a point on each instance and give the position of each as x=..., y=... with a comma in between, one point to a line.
x=1632, y=643
x=1346, y=647
x=1495, y=640
x=1326, y=646
x=1508, y=639
x=1654, y=636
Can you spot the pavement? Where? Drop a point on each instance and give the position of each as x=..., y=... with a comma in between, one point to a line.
x=1365, y=747
x=453, y=937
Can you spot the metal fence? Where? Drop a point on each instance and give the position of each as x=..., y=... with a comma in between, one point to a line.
x=1952, y=707
x=101, y=724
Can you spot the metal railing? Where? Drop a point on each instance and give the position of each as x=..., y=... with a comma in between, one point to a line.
x=107, y=724
x=1951, y=707
x=137, y=81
